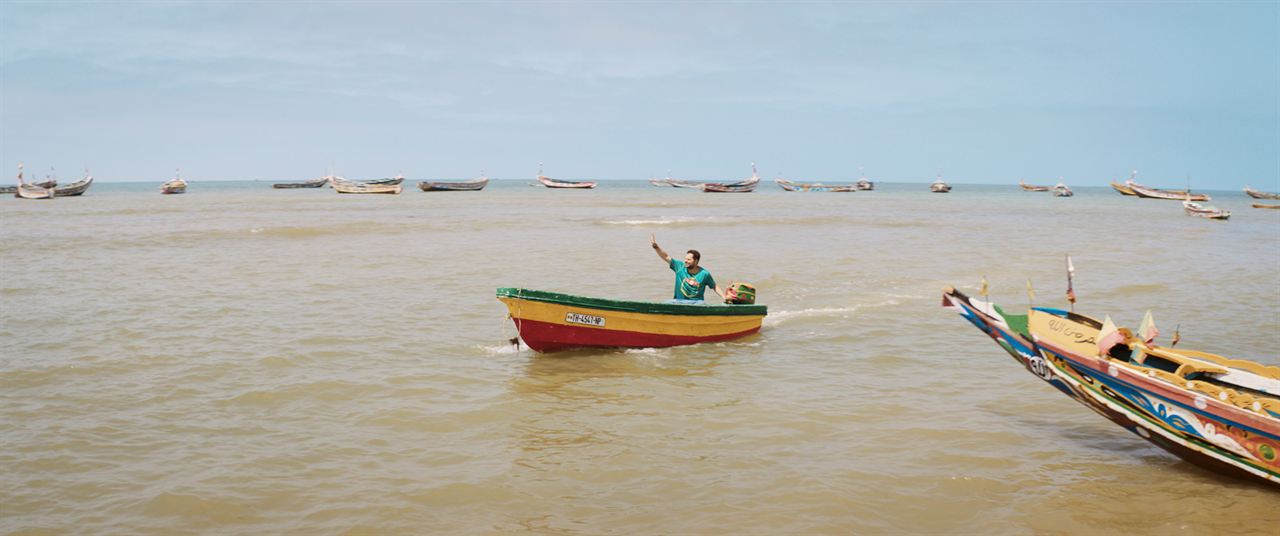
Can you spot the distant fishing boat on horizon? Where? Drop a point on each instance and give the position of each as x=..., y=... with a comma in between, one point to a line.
x=75, y=188
x=25, y=190
x=939, y=187
x=314, y=183
x=813, y=186
x=1161, y=193
x=562, y=184
x=743, y=186
x=1031, y=187
x=176, y=185
x=344, y=186
x=1260, y=195
x=472, y=185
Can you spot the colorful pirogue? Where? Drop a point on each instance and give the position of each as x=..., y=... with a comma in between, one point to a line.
x=813, y=186
x=550, y=321
x=1219, y=413
x=743, y=186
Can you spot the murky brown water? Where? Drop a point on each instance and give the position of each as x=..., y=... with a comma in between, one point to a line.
x=241, y=360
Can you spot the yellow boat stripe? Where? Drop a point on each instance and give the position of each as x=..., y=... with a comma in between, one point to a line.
x=692, y=326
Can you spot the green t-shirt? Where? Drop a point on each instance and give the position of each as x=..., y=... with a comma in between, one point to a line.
x=690, y=287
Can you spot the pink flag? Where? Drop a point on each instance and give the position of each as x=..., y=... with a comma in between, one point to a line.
x=1108, y=337
x=1148, y=331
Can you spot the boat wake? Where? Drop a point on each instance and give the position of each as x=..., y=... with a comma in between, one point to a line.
x=777, y=318
x=661, y=221
x=500, y=349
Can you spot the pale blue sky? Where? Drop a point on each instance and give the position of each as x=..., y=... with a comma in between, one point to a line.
x=983, y=92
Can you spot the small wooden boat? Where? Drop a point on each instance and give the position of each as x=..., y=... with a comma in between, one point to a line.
x=676, y=183
x=1124, y=190
x=939, y=187
x=1061, y=190
x=1031, y=187
x=550, y=321
x=557, y=183
x=1219, y=413
x=740, y=187
x=316, y=183
x=387, y=181
x=1205, y=211
x=1260, y=195
x=1157, y=193
x=454, y=186
x=659, y=182
x=864, y=184
x=175, y=185
x=75, y=188
x=31, y=191
x=743, y=186
x=1263, y=205
x=813, y=186
x=344, y=186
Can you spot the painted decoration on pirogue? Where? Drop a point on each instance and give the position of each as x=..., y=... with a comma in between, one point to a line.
x=1221, y=414
x=551, y=321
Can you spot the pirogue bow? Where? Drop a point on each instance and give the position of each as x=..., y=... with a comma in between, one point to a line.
x=1219, y=413
x=551, y=321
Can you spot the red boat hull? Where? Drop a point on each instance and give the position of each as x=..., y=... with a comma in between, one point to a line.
x=548, y=337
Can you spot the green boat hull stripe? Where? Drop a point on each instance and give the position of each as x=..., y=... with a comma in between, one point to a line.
x=656, y=308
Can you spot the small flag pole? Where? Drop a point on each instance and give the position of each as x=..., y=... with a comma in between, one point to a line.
x=1071, y=293
x=1031, y=295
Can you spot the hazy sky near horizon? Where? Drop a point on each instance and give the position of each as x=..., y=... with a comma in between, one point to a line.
x=987, y=92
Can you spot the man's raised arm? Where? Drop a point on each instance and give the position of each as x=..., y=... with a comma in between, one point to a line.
x=654, y=242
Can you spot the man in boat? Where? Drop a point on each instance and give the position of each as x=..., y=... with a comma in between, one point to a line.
x=691, y=280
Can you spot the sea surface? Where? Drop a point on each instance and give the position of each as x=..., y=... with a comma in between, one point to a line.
x=242, y=360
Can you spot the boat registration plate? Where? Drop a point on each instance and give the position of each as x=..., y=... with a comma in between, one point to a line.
x=588, y=320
